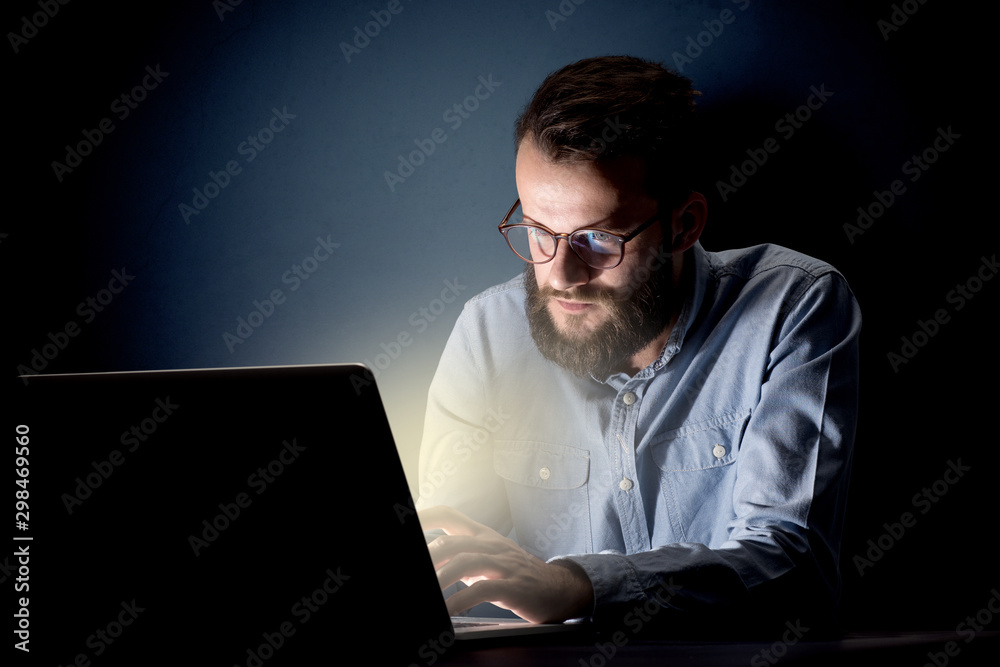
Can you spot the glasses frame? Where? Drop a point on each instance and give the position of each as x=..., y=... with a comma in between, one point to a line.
x=622, y=239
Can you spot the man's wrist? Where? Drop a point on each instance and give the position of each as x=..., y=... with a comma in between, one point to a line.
x=580, y=603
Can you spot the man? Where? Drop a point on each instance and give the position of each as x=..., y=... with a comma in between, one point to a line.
x=650, y=423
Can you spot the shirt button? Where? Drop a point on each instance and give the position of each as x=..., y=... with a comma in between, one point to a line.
x=629, y=398
x=719, y=451
x=544, y=473
x=625, y=484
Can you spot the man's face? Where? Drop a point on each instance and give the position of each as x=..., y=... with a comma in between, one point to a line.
x=592, y=321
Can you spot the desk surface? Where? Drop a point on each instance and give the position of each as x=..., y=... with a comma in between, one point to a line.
x=937, y=649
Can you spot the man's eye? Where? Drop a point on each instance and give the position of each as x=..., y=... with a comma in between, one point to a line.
x=599, y=237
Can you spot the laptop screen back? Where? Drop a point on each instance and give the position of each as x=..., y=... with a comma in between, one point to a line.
x=233, y=516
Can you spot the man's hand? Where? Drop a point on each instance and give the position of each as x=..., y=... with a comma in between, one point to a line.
x=497, y=570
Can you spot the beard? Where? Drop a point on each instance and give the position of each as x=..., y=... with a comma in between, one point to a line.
x=635, y=317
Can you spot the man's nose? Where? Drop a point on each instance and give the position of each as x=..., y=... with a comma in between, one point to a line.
x=566, y=270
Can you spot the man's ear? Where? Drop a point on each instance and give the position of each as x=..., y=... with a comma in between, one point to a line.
x=688, y=221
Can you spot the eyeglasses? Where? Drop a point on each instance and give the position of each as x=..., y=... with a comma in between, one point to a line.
x=535, y=244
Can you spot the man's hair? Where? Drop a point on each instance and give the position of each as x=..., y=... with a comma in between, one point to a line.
x=614, y=106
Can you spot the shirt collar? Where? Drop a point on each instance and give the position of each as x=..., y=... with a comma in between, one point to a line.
x=694, y=284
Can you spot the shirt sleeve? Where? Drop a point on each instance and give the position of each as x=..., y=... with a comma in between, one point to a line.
x=791, y=489
x=456, y=452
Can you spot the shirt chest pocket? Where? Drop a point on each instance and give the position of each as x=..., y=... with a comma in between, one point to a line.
x=547, y=493
x=697, y=477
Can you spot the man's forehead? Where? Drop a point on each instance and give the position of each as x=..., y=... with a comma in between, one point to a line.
x=580, y=192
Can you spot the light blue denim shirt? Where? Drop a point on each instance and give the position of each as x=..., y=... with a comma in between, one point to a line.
x=719, y=467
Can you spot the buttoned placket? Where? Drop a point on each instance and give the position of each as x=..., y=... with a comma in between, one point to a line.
x=628, y=499
x=622, y=441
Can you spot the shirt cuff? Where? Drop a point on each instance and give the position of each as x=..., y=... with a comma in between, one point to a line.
x=612, y=576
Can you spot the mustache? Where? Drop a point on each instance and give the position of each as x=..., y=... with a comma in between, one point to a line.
x=579, y=294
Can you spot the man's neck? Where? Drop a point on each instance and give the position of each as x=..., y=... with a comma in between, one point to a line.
x=647, y=355
x=651, y=352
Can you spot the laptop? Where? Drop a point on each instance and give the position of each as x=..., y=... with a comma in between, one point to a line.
x=240, y=516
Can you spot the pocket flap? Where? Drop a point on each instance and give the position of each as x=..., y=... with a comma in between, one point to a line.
x=707, y=444
x=541, y=465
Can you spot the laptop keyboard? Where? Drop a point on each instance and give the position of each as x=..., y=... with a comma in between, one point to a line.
x=472, y=624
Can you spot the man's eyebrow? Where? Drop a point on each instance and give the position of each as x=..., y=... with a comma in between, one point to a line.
x=603, y=223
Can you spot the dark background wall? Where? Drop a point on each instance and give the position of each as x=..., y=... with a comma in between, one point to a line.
x=898, y=80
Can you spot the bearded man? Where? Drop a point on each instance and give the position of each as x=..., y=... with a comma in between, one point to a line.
x=635, y=422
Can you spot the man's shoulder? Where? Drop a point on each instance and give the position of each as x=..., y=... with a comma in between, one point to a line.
x=493, y=324
x=773, y=279
x=767, y=260
x=507, y=294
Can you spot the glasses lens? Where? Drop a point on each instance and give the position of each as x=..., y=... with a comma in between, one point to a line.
x=531, y=243
x=597, y=249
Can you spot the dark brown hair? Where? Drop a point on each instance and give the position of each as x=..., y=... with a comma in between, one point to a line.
x=603, y=108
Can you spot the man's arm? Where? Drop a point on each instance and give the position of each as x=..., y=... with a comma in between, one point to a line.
x=789, y=498
x=792, y=477
x=456, y=454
